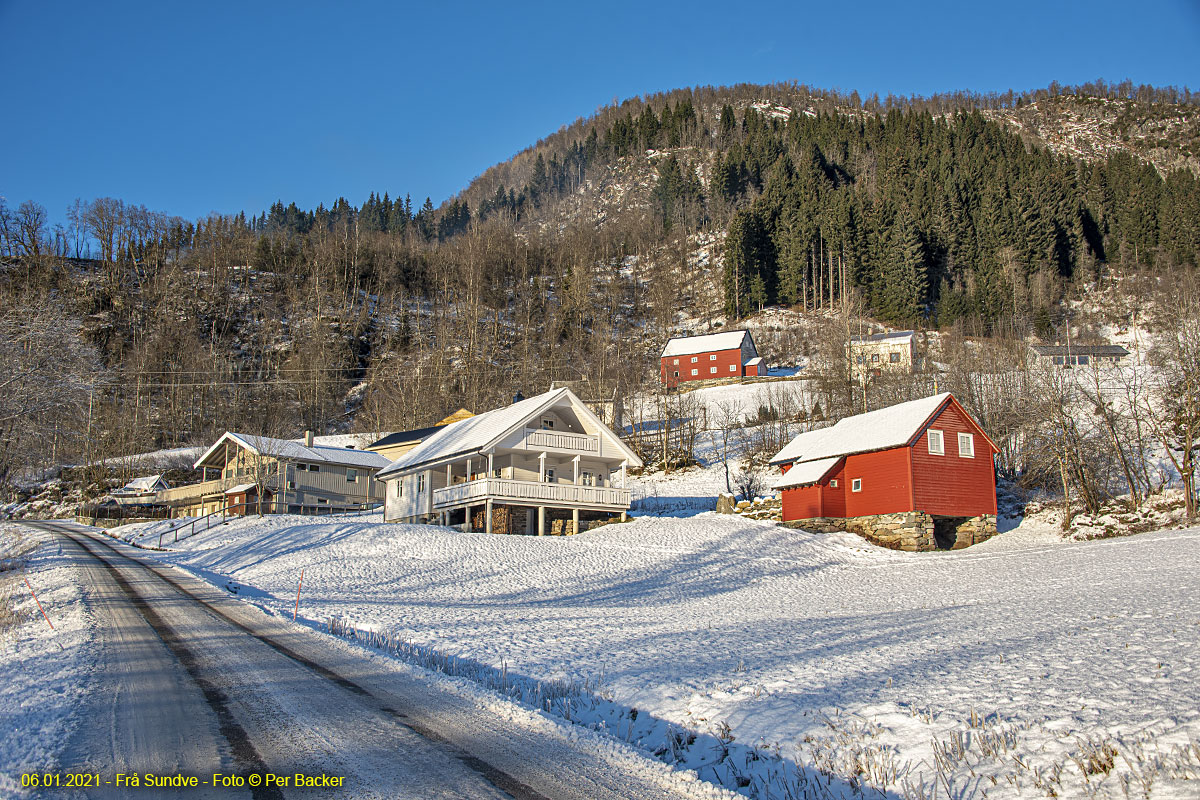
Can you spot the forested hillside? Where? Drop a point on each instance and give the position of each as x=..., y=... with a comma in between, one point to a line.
x=129, y=329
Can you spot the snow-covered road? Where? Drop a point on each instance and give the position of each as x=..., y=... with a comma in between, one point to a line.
x=191, y=682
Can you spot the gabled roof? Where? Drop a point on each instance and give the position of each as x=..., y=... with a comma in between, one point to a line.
x=708, y=343
x=297, y=451
x=482, y=431
x=807, y=472
x=896, y=336
x=883, y=429
x=144, y=484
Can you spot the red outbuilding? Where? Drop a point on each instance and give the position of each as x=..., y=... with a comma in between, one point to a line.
x=729, y=354
x=926, y=456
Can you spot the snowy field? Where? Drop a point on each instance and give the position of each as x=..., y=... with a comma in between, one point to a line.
x=1022, y=667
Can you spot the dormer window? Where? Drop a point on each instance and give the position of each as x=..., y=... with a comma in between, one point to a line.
x=547, y=424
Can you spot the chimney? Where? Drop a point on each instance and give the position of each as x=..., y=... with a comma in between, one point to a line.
x=308, y=438
x=518, y=397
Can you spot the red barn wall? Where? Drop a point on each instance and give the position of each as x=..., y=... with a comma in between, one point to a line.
x=704, y=364
x=885, y=482
x=949, y=484
x=802, y=502
x=835, y=497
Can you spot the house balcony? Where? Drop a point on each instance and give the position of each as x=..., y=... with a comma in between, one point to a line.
x=530, y=493
x=559, y=441
x=182, y=495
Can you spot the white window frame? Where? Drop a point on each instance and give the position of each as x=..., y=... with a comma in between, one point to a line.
x=420, y=483
x=712, y=370
x=733, y=367
x=695, y=359
x=856, y=485
x=351, y=475
x=969, y=450
x=695, y=372
x=712, y=357
x=833, y=483
x=675, y=363
x=940, y=450
x=550, y=475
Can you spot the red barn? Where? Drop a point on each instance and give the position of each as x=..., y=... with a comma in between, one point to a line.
x=729, y=354
x=924, y=456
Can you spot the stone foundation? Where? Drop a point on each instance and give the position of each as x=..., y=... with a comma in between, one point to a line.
x=912, y=531
x=974, y=530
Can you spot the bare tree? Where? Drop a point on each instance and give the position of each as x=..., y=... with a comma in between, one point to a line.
x=1176, y=421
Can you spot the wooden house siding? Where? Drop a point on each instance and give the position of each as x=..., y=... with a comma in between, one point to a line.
x=949, y=484
x=724, y=359
x=885, y=482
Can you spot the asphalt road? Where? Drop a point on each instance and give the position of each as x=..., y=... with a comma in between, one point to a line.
x=190, y=681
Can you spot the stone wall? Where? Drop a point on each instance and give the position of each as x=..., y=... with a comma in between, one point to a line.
x=909, y=530
x=770, y=508
x=975, y=530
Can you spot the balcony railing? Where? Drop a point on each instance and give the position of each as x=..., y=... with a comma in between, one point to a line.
x=193, y=491
x=536, y=439
x=506, y=490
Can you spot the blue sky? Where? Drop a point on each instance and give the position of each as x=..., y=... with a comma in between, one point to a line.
x=202, y=107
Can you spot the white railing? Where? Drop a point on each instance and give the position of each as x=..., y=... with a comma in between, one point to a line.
x=194, y=491
x=530, y=492
x=560, y=440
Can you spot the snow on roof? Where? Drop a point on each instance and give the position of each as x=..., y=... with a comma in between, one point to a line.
x=884, y=337
x=241, y=487
x=297, y=451
x=709, y=342
x=143, y=484
x=876, y=430
x=807, y=472
x=478, y=432
x=754, y=361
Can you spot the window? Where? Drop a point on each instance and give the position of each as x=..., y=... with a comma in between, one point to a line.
x=713, y=357
x=937, y=444
x=549, y=476
x=874, y=358
x=313, y=468
x=420, y=483
x=676, y=373
x=587, y=479
x=712, y=370
x=291, y=484
x=675, y=363
x=301, y=467
x=966, y=445
x=351, y=476
x=856, y=485
x=547, y=424
x=733, y=367
x=833, y=483
x=894, y=358
x=321, y=501
x=498, y=472
x=1083, y=359
x=861, y=359
x=1058, y=360
x=695, y=372
x=400, y=488
x=695, y=359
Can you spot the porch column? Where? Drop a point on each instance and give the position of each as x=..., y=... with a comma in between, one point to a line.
x=449, y=474
x=468, y=469
x=491, y=465
x=575, y=462
x=624, y=472
x=541, y=468
x=541, y=520
x=575, y=520
x=487, y=516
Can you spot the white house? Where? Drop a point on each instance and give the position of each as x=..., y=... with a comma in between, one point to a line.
x=536, y=466
x=883, y=352
x=140, y=490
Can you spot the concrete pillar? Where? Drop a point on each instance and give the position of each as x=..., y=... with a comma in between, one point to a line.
x=574, y=520
x=487, y=516
x=541, y=520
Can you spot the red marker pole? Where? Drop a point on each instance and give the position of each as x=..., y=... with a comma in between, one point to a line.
x=298, y=585
x=39, y=603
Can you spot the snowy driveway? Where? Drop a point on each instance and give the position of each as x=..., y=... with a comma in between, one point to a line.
x=191, y=682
